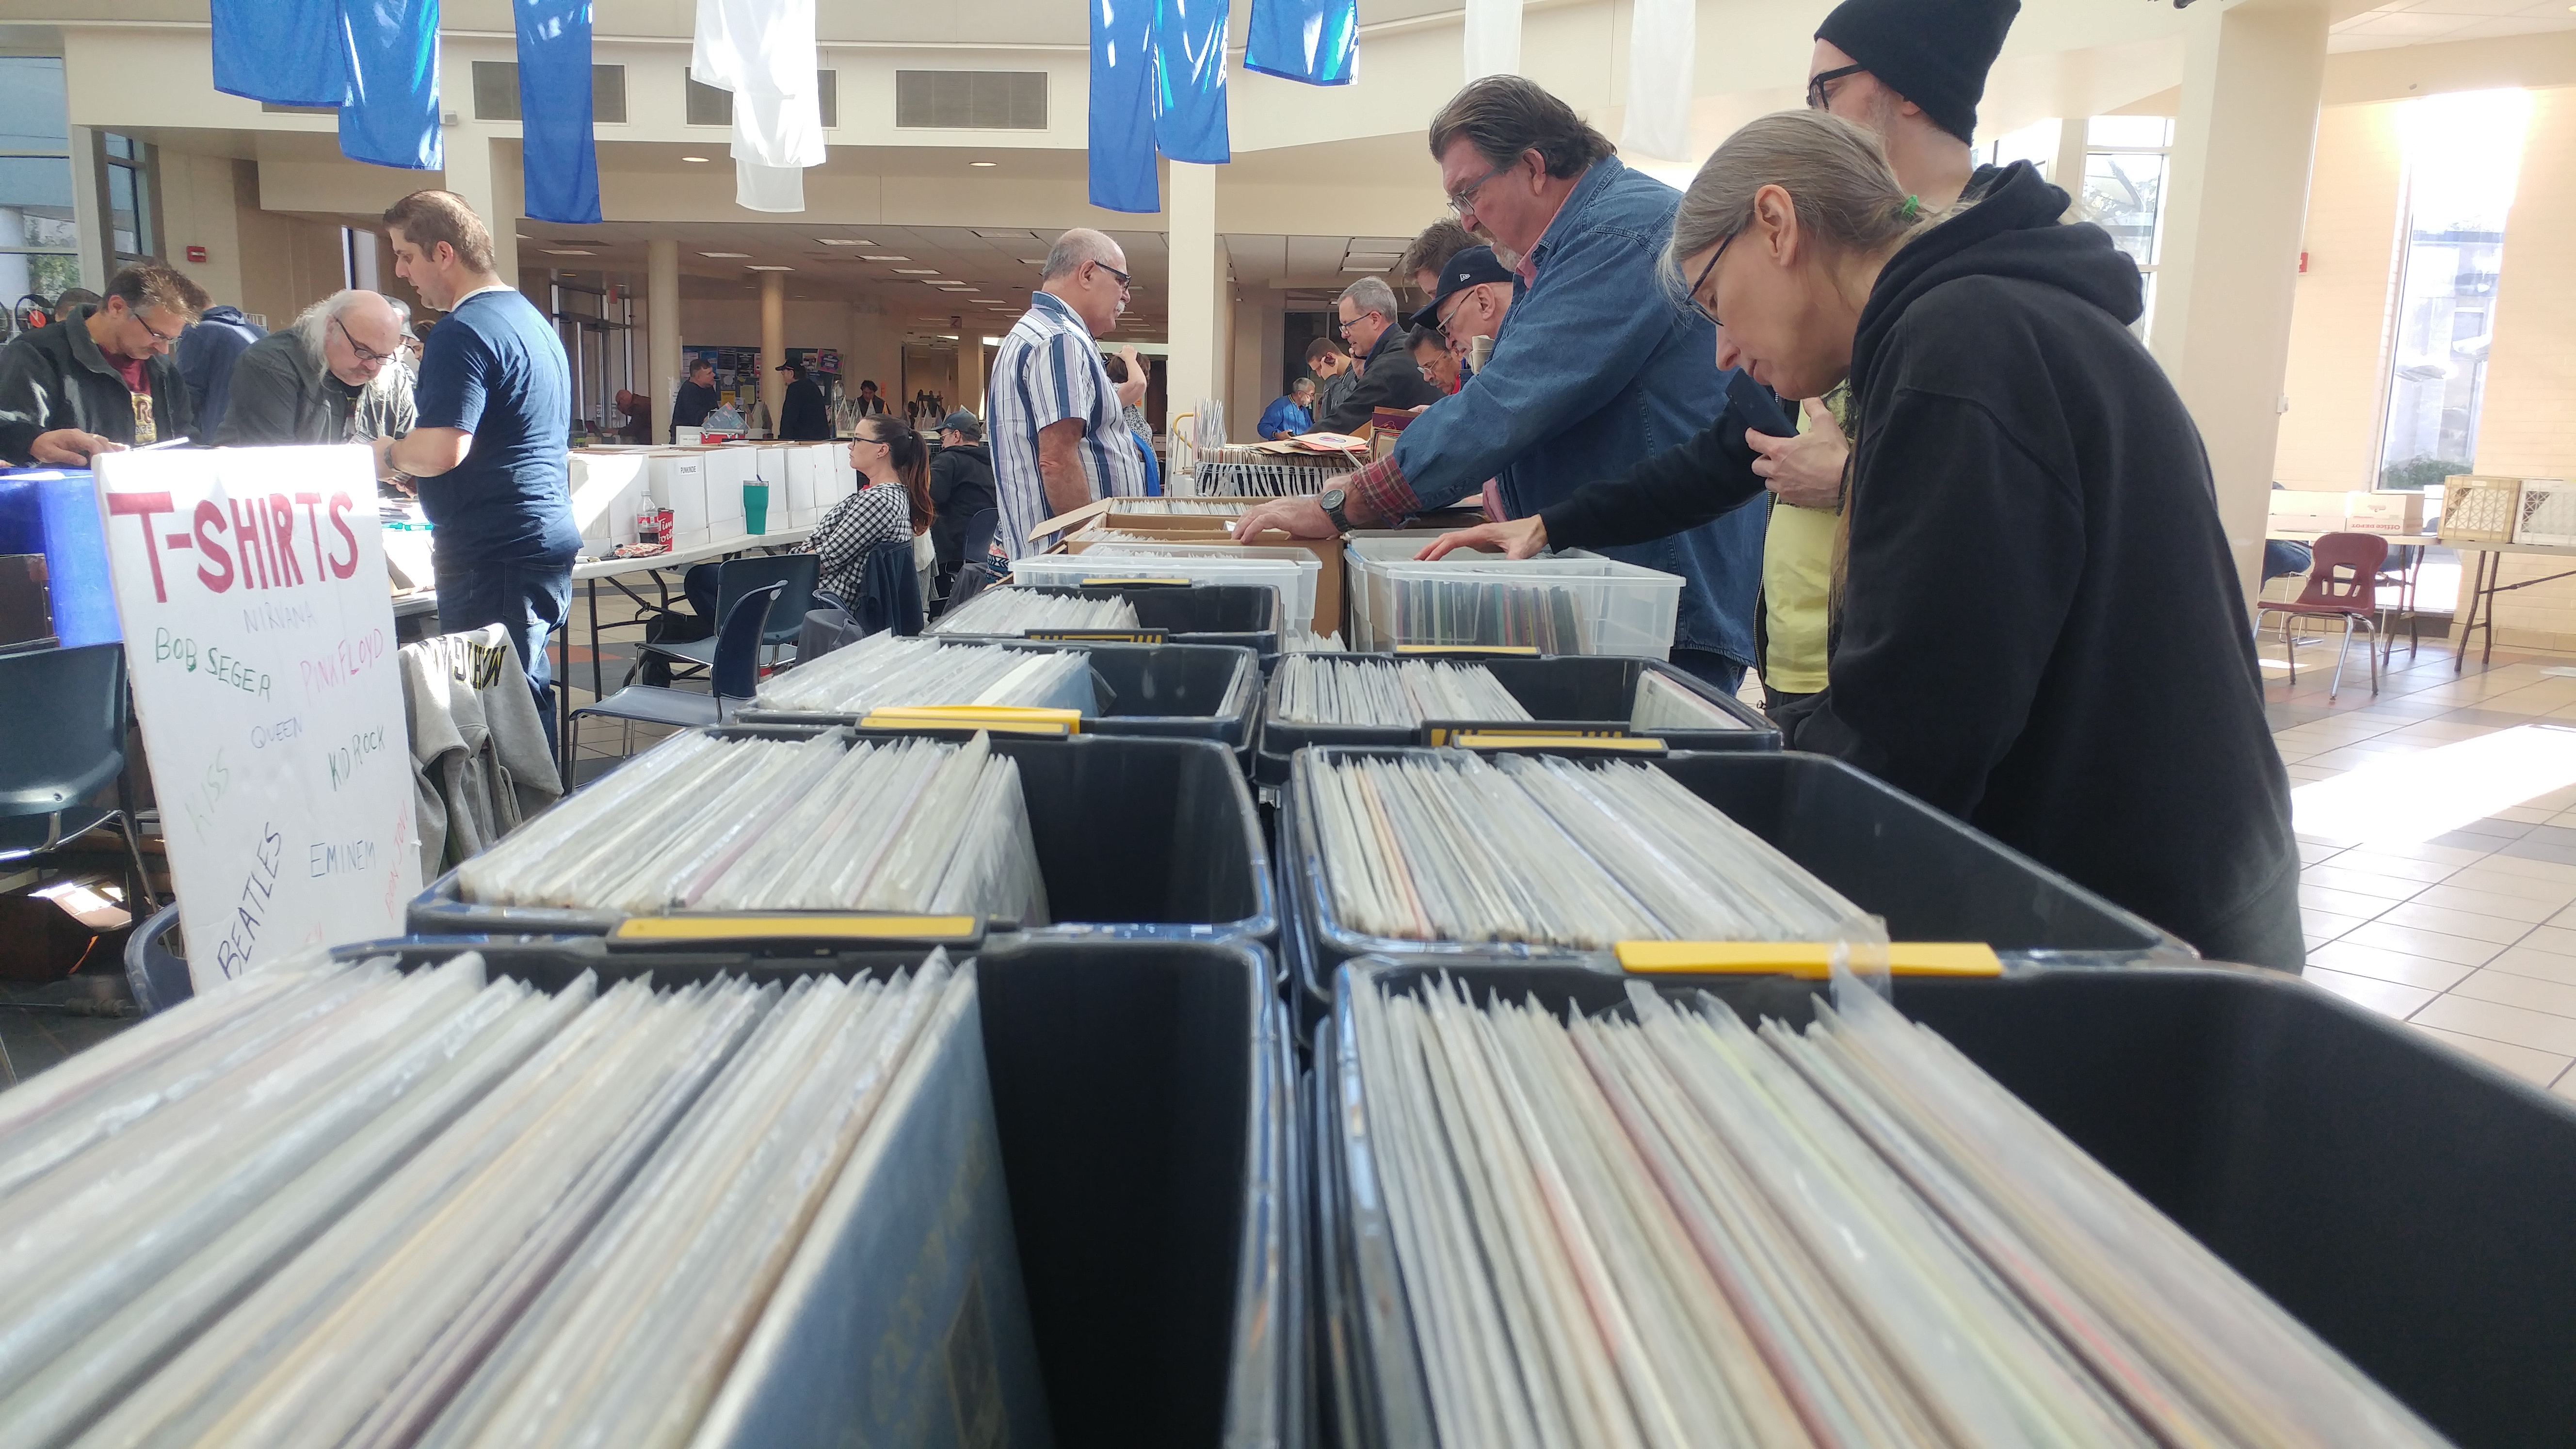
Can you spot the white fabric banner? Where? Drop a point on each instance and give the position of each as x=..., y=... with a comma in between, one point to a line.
x=764, y=52
x=1663, y=37
x=1493, y=38
x=259, y=633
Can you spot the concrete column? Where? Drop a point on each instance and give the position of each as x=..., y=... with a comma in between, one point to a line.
x=1197, y=269
x=90, y=216
x=773, y=341
x=662, y=327
x=2236, y=208
x=475, y=174
x=2067, y=171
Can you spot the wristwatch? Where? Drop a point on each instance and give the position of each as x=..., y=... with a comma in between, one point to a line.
x=1332, y=499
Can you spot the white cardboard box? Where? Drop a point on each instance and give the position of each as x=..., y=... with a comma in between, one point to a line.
x=2300, y=512
x=728, y=468
x=607, y=488
x=2389, y=513
x=801, y=491
x=677, y=480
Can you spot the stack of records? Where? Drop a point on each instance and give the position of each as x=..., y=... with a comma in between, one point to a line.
x=706, y=823
x=1674, y=1229
x=1008, y=610
x=886, y=670
x=344, y=1206
x=1445, y=845
x=1403, y=693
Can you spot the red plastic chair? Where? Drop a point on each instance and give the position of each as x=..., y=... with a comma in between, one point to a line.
x=2343, y=583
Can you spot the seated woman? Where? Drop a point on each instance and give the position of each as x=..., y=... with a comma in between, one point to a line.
x=891, y=506
x=2039, y=627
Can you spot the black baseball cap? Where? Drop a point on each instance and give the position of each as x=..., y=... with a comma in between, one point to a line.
x=1471, y=268
x=963, y=423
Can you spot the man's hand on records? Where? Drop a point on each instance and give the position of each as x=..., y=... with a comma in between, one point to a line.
x=1805, y=469
x=1517, y=538
x=1298, y=517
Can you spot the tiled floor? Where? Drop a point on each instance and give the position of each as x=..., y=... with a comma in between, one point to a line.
x=2469, y=935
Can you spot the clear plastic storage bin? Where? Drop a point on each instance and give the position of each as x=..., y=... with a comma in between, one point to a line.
x=1291, y=571
x=1569, y=603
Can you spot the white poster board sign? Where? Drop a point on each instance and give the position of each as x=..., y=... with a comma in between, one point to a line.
x=259, y=633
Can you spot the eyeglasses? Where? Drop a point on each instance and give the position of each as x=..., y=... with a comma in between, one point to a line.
x=166, y=339
x=1462, y=202
x=366, y=354
x=1113, y=271
x=1442, y=320
x=1817, y=95
x=1709, y=311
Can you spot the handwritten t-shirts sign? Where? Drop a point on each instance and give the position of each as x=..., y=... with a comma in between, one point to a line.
x=259, y=634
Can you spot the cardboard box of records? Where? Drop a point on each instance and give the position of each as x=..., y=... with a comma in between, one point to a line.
x=1117, y=520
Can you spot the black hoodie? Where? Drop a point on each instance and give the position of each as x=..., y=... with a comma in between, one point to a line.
x=2043, y=631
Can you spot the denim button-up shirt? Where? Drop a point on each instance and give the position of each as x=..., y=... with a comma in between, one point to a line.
x=1598, y=369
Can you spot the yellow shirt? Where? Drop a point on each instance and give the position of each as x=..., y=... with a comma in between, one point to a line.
x=1797, y=575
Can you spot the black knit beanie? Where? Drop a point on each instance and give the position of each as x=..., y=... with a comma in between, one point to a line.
x=1934, y=53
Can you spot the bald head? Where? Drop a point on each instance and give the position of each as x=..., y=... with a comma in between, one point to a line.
x=352, y=334
x=1087, y=270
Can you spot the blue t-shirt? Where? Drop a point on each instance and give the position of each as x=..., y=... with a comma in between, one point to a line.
x=494, y=368
x=1284, y=413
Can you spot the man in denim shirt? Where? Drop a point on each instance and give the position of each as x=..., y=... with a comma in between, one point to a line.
x=1596, y=370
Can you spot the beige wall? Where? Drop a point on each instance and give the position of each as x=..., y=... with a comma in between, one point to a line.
x=201, y=206
x=2339, y=329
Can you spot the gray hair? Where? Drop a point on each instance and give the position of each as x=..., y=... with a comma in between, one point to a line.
x=1371, y=294
x=313, y=323
x=1074, y=248
x=1836, y=175
x=1302, y=384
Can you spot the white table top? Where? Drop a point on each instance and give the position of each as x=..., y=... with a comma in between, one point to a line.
x=682, y=558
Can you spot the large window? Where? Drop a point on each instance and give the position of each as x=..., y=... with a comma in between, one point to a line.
x=134, y=224
x=2462, y=155
x=39, y=238
x=2126, y=161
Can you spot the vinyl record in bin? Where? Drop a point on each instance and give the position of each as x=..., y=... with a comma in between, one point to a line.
x=1929, y=876
x=2403, y=1200
x=1245, y=616
x=1135, y=837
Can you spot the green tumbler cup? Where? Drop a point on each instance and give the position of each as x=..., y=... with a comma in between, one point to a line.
x=755, y=508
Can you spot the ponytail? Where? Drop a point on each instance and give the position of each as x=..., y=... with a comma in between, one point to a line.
x=911, y=459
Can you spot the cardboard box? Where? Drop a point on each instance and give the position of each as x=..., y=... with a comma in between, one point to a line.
x=1206, y=529
x=2298, y=512
x=677, y=480
x=607, y=488
x=2396, y=514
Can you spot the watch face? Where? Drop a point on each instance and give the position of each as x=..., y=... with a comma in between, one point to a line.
x=1331, y=498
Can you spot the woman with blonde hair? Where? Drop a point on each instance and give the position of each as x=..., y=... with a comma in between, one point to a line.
x=2039, y=627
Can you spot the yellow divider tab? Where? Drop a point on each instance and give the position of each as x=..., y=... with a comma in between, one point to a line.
x=1019, y=719
x=1809, y=959
x=1521, y=651
x=1099, y=636
x=1544, y=739
x=796, y=927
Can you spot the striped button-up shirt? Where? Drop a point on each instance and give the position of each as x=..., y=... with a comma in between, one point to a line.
x=1046, y=371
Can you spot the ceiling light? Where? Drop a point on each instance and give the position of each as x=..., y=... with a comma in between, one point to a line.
x=568, y=252
x=523, y=236
x=916, y=271
x=844, y=241
x=700, y=159
x=1034, y=261
x=759, y=267
x=727, y=256
x=885, y=259
x=1004, y=235
x=983, y=163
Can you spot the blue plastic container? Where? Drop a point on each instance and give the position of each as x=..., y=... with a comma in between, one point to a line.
x=54, y=512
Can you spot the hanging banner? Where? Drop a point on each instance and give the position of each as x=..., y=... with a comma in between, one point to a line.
x=1189, y=82
x=1121, y=157
x=1314, y=41
x=259, y=634
x=1663, y=48
x=391, y=115
x=1493, y=37
x=555, y=150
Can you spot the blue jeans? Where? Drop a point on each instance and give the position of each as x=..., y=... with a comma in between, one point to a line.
x=1712, y=668
x=529, y=598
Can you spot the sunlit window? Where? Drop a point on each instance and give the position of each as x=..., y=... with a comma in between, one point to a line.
x=39, y=240
x=2126, y=162
x=2462, y=155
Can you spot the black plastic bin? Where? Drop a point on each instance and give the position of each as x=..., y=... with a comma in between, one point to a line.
x=1246, y=616
x=1929, y=876
x=1562, y=692
x=2405, y=1201
x=1136, y=837
x=1154, y=691
x=1146, y=1114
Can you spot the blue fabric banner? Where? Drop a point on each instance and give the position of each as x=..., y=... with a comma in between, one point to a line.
x=391, y=115
x=560, y=160
x=1122, y=106
x=1189, y=81
x=1315, y=41
x=284, y=52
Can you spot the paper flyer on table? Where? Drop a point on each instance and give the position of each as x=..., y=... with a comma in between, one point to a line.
x=260, y=637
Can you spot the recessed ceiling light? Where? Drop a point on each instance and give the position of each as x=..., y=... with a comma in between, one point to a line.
x=523, y=236
x=983, y=163
x=844, y=241
x=916, y=271
x=568, y=252
x=885, y=259
x=727, y=256
x=759, y=267
x=1034, y=261
x=700, y=159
